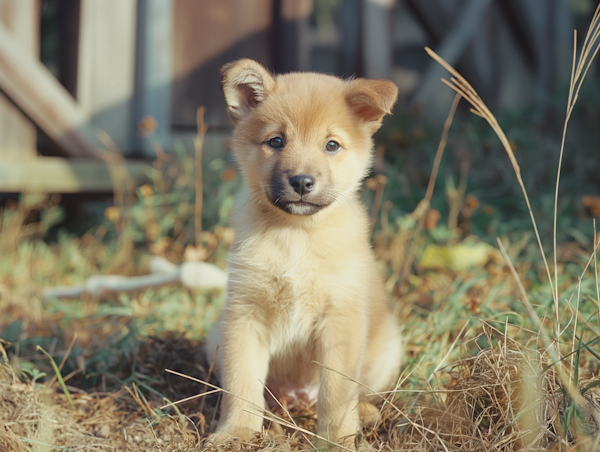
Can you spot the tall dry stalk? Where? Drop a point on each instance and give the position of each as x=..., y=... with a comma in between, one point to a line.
x=464, y=89
x=596, y=271
x=424, y=205
x=198, y=143
x=579, y=70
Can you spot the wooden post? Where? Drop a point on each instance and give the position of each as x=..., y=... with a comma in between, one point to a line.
x=210, y=33
x=154, y=70
x=377, y=38
x=69, y=13
x=350, y=38
x=17, y=133
x=289, y=35
x=31, y=86
x=106, y=67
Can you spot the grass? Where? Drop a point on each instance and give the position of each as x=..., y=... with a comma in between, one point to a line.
x=502, y=348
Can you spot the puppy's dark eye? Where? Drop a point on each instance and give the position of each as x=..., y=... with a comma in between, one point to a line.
x=275, y=143
x=332, y=146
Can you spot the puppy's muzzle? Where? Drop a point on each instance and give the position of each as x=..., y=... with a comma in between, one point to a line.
x=299, y=194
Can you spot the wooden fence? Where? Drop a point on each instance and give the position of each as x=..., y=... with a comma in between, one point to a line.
x=117, y=61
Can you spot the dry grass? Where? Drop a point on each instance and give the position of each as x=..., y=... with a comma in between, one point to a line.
x=505, y=398
x=502, y=399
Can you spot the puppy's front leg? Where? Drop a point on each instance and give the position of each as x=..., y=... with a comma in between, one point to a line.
x=245, y=362
x=341, y=347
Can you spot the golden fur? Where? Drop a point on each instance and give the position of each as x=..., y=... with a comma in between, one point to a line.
x=303, y=282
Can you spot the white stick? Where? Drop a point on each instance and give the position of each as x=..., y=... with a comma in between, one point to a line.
x=195, y=275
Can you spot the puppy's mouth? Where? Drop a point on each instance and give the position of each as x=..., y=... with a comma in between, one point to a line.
x=300, y=207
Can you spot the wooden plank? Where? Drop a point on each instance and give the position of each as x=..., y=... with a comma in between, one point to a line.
x=62, y=175
x=29, y=84
x=69, y=13
x=377, y=38
x=207, y=34
x=106, y=70
x=289, y=31
x=349, y=38
x=17, y=133
x=154, y=70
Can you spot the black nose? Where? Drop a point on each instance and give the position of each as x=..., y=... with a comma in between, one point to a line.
x=302, y=184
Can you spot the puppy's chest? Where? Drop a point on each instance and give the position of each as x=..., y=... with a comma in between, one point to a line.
x=287, y=287
x=282, y=288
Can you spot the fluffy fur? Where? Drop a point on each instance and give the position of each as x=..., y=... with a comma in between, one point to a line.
x=303, y=283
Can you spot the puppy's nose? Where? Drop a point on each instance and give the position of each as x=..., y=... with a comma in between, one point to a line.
x=302, y=184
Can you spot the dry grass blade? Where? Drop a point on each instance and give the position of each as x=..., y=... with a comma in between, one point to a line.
x=567, y=383
x=122, y=183
x=58, y=376
x=64, y=360
x=429, y=193
x=459, y=336
x=596, y=241
x=210, y=370
x=532, y=314
x=462, y=87
x=198, y=144
x=273, y=418
x=187, y=399
x=10, y=442
x=288, y=415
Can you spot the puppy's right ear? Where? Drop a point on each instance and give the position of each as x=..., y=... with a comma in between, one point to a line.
x=245, y=85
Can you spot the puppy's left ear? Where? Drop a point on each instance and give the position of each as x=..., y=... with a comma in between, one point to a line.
x=371, y=100
x=245, y=85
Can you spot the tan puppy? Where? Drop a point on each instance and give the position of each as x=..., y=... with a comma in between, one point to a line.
x=303, y=283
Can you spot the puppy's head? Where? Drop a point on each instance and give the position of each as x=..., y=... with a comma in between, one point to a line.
x=303, y=140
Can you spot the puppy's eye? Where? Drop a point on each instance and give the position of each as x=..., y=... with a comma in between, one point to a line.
x=275, y=143
x=332, y=146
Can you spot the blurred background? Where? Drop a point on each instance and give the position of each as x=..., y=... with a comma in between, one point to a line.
x=70, y=67
x=99, y=97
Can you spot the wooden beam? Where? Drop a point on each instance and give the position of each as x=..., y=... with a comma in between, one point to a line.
x=350, y=25
x=289, y=45
x=377, y=38
x=432, y=93
x=17, y=133
x=154, y=69
x=31, y=86
x=62, y=175
x=433, y=17
x=207, y=34
x=106, y=67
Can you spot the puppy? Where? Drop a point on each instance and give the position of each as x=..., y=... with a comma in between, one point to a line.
x=306, y=310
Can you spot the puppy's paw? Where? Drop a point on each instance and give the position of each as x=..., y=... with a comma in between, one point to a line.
x=352, y=442
x=230, y=435
x=368, y=414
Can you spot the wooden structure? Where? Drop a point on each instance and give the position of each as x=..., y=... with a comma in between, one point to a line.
x=34, y=98
x=118, y=61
